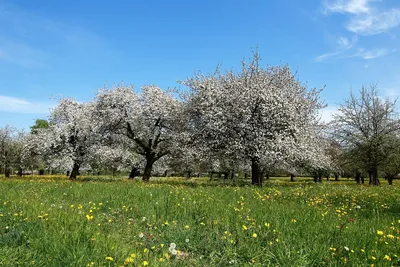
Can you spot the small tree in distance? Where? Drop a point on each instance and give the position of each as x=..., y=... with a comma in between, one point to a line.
x=364, y=125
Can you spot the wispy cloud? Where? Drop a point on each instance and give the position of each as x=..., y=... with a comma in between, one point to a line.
x=364, y=18
x=374, y=53
x=343, y=44
x=348, y=6
x=374, y=22
x=20, y=105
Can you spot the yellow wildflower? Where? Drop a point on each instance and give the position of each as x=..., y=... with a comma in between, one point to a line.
x=254, y=235
x=379, y=232
x=108, y=258
x=128, y=260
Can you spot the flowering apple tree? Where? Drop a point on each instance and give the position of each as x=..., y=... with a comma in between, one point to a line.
x=260, y=114
x=149, y=119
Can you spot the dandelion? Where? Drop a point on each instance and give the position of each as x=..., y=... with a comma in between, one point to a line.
x=373, y=258
x=294, y=221
x=172, y=245
x=187, y=240
x=174, y=252
x=387, y=257
x=187, y=227
x=108, y=258
x=161, y=259
x=89, y=218
x=145, y=263
x=141, y=235
x=166, y=223
x=146, y=250
x=254, y=235
x=266, y=225
x=332, y=249
x=379, y=232
x=128, y=260
x=244, y=227
x=346, y=248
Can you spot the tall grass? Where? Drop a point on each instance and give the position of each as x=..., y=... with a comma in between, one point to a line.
x=116, y=222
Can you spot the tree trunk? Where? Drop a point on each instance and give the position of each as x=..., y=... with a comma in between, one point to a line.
x=358, y=176
x=316, y=178
x=256, y=177
x=320, y=178
x=188, y=175
x=245, y=175
x=292, y=177
x=41, y=172
x=232, y=174
x=7, y=172
x=226, y=175
x=68, y=172
x=20, y=172
x=390, y=180
x=211, y=176
x=336, y=177
x=148, y=168
x=267, y=176
x=75, y=171
x=375, y=180
x=165, y=173
x=132, y=174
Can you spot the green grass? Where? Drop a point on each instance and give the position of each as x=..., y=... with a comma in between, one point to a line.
x=50, y=221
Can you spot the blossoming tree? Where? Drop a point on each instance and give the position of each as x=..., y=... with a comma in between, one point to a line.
x=71, y=134
x=149, y=119
x=259, y=114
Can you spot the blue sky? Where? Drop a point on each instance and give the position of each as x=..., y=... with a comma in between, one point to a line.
x=72, y=48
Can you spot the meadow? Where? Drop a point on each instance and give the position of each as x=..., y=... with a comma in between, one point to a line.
x=50, y=221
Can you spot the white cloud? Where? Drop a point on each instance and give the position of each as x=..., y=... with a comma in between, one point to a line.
x=348, y=6
x=20, y=105
x=365, y=18
x=375, y=22
x=326, y=56
x=371, y=54
x=327, y=113
x=343, y=44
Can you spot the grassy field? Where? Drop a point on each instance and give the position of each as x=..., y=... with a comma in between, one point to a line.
x=50, y=221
